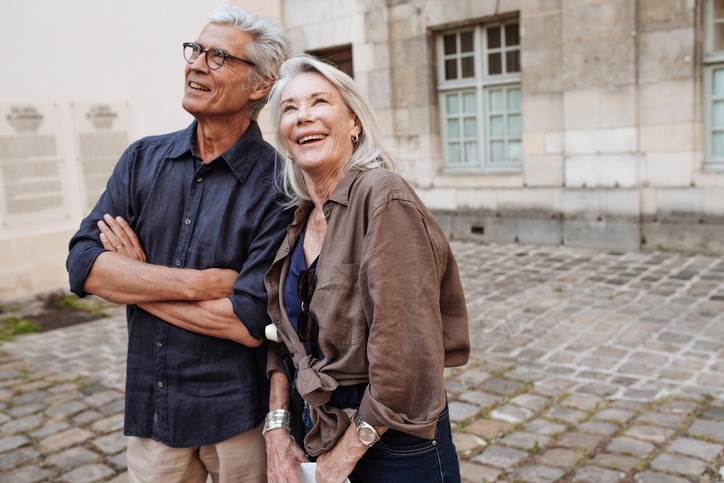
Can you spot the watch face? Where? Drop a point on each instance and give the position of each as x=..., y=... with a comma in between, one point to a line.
x=366, y=435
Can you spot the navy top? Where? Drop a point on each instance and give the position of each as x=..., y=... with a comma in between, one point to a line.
x=182, y=388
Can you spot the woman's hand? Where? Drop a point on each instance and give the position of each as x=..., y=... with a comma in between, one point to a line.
x=283, y=457
x=116, y=235
x=337, y=464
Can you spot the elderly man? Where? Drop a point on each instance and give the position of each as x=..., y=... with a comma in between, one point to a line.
x=183, y=235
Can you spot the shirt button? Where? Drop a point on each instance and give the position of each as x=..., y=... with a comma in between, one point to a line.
x=159, y=383
x=159, y=343
x=187, y=221
x=178, y=263
x=199, y=179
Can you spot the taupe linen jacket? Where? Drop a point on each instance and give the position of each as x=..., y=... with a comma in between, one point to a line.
x=390, y=305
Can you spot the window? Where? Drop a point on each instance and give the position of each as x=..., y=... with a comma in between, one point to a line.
x=480, y=97
x=714, y=84
x=340, y=57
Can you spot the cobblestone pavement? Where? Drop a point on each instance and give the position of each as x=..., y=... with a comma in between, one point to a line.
x=587, y=366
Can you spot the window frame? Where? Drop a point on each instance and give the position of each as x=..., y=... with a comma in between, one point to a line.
x=480, y=83
x=712, y=60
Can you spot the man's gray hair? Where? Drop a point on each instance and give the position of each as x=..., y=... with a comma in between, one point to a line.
x=269, y=48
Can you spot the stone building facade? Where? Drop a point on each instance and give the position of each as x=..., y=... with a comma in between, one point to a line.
x=591, y=123
x=579, y=122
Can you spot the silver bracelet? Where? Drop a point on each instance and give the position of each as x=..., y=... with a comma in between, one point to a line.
x=277, y=419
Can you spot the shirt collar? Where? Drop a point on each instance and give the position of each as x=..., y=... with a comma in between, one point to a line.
x=340, y=194
x=240, y=157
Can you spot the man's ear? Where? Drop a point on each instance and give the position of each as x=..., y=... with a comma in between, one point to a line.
x=262, y=89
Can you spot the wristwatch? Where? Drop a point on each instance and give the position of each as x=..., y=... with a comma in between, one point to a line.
x=365, y=432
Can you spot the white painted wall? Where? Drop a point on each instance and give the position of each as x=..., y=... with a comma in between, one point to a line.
x=91, y=51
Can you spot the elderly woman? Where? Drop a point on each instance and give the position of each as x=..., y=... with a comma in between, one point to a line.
x=365, y=294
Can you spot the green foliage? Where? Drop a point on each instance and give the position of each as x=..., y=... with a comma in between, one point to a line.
x=12, y=326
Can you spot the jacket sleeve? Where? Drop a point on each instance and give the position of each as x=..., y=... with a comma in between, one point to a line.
x=405, y=258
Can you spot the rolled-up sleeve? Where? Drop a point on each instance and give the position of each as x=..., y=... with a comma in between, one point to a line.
x=400, y=285
x=85, y=245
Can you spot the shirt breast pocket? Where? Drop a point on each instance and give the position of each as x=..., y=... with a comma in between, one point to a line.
x=339, y=311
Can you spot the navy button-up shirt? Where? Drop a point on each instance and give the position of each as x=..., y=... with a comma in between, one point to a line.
x=182, y=388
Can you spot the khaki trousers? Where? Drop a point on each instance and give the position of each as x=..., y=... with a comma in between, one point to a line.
x=238, y=460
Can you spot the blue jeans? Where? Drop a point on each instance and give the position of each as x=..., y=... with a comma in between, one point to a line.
x=402, y=458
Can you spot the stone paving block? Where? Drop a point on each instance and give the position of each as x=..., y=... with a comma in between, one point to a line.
x=454, y=386
x=25, y=409
x=616, y=461
x=629, y=405
x=660, y=419
x=87, y=474
x=487, y=428
x=102, y=398
x=600, y=428
x=112, y=443
x=13, y=459
x=567, y=415
x=480, y=398
x=537, y=474
x=500, y=456
x=22, y=425
x=553, y=386
x=460, y=411
x=29, y=397
x=26, y=474
x=473, y=377
x=474, y=473
x=708, y=429
x=681, y=465
x=531, y=402
x=66, y=410
x=64, y=387
x=592, y=474
x=69, y=437
x=13, y=442
x=651, y=477
x=113, y=407
x=543, y=426
x=86, y=417
x=587, y=442
x=467, y=443
x=49, y=429
x=108, y=424
x=581, y=402
x=122, y=478
x=560, y=458
x=526, y=441
x=511, y=414
x=119, y=460
x=656, y=434
x=60, y=398
x=614, y=415
x=697, y=448
x=72, y=457
x=501, y=386
x=630, y=446
x=716, y=413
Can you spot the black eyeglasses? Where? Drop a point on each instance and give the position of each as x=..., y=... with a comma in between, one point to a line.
x=215, y=58
x=307, y=323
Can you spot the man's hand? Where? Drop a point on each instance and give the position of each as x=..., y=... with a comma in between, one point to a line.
x=117, y=236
